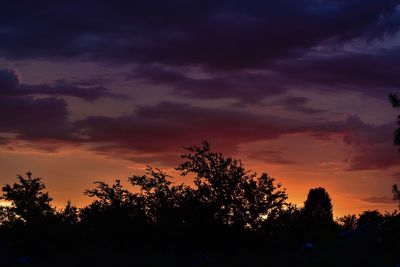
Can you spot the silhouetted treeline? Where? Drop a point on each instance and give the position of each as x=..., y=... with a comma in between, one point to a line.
x=229, y=217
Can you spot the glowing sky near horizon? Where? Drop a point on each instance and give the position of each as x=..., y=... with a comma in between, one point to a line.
x=96, y=90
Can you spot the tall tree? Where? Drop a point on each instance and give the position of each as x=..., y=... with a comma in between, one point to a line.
x=318, y=206
x=396, y=194
x=395, y=101
x=318, y=216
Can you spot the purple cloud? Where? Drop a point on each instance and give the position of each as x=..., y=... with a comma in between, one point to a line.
x=10, y=85
x=35, y=119
x=214, y=34
x=299, y=104
x=167, y=127
x=373, y=73
x=245, y=87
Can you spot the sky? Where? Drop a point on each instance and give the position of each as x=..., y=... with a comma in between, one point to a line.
x=96, y=90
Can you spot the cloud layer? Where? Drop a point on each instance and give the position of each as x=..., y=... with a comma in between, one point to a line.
x=257, y=53
x=11, y=85
x=214, y=34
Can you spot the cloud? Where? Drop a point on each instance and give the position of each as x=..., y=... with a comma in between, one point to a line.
x=170, y=126
x=373, y=146
x=373, y=73
x=299, y=104
x=213, y=34
x=10, y=85
x=374, y=158
x=246, y=87
x=167, y=127
x=35, y=119
x=159, y=132
x=379, y=200
x=269, y=156
x=9, y=79
x=223, y=39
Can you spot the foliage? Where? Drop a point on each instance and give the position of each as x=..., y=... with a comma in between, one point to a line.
x=396, y=194
x=28, y=202
x=158, y=195
x=318, y=206
x=69, y=215
x=395, y=101
x=112, y=203
x=317, y=216
x=238, y=197
x=370, y=216
x=348, y=222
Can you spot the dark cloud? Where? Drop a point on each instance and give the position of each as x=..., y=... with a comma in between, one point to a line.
x=10, y=85
x=244, y=86
x=161, y=159
x=167, y=127
x=160, y=131
x=213, y=34
x=373, y=73
x=35, y=119
x=379, y=200
x=9, y=80
x=224, y=39
x=27, y=118
x=299, y=104
x=270, y=156
x=374, y=158
x=373, y=147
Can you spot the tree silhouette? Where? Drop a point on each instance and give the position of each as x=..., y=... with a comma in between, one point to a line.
x=160, y=198
x=114, y=214
x=370, y=216
x=112, y=203
x=395, y=101
x=69, y=215
x=318, y=206
x=229, y=217
x=114, y=196
x=396, y=194
x=318, y=215
x=28, y=202
x=237, y=196
x=348, y=222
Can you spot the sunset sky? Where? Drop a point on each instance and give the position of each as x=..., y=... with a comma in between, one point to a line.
x=96, y=90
